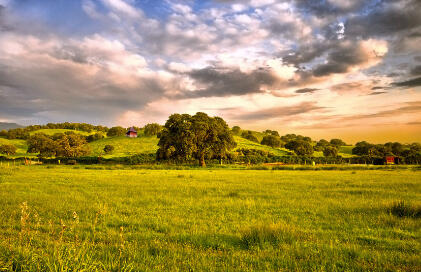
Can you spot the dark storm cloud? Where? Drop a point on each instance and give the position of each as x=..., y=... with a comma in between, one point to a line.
x=415, y=82
x=377, y=88
x=417, y=58
x=340, y=59
x=386, y=19
x=415, y=71
x=278, y=112
x=306, y=90
x=306, y=53
x=376, y=93
x=225, y=82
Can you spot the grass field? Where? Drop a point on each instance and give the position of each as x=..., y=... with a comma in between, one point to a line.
x=54, y=131
x=77, y=218
x=21, y=147
x=125, y=146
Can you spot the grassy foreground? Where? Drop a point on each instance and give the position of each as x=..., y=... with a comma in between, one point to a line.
x=60, y=218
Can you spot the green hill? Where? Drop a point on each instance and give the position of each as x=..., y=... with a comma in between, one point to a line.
x=21, y=146
x=124, y=146
x=54, y=131
x=244, y=143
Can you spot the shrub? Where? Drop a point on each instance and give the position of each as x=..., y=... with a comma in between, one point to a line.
x=273, y=234
x=108, y=149
x=116, y=131
x=71, y=162
x=152, y=129
x=271, y=140
x=94, y=137
x=403, y=209
x=8, y=149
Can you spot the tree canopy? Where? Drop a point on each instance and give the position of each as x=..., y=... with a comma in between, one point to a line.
x=271, y=140
x=116, y=131
x=152, y=129
x=185, y=137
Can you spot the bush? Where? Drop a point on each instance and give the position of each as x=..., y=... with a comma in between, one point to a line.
x=249, y=136
x=71, y=162
x=271, y=140
x=152, y=129
x=116, y=131
x=108, y=149
x=3, y=133
x=8, y=149
x=403, y=209
x=94, y=137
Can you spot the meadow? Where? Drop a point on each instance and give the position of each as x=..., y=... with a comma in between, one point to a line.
x=120, y=218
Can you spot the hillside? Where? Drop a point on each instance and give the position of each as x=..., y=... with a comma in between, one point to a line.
x=54, y=131
x=6, y=126
x=130, y=146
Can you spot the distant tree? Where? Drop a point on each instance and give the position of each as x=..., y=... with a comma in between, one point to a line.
x=94, y=137
x=271, y=132
x=116, y=131
x=321, y=145
x=300, y=147
x=72, y=146
x=185, y=137
x=337, y=142
x=42, y=144
x=60, y=145
x=362, y=148
x=249, y=136
x=236, y=130
x=330, y=151
x=3, y=133
x=271, y=140
x=8, y=149
x=108, y=149
x=152, y=129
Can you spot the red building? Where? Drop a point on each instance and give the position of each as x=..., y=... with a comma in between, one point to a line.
x=132, y=133
x=390, y=160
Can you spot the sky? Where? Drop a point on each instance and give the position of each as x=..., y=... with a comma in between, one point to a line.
x=322, y=68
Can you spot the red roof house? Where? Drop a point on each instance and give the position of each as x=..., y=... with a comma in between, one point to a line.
x=132, y=133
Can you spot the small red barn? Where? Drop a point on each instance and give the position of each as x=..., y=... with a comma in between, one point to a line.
x=132, y=133
x=390, y=160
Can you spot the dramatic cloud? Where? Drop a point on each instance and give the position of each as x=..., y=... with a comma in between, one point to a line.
x=217, y=82
x=306, y=90
x=126, y=61
x=278, y=112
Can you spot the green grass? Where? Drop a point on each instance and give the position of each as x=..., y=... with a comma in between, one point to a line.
x=21, y=147
x=244, y=143
x=125, y=146
x=54, y=131
x=207, y=220
x=346, y=151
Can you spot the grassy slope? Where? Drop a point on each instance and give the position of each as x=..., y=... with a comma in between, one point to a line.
x=125, y=146
x=21, y=146
x=128, y=146
x=244, y=143
x=199, y=219
x=54, y=131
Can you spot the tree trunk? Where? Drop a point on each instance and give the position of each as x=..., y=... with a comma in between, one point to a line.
x=202, y=160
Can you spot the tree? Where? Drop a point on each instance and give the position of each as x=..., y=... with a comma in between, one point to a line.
x=8, y=149
x=42, y=144
x=152, y=129
x=300, y=147
x=94, y=137
x=321, y=145
x=271, y=132
x=60, y=145
x=249, y=136
x=337, y=142
x=362, y=148
x=3, y=133
x=185, y=137
x=71, y=145
x=330, y=151
x=271, y=140
x=108, y=149
x=236, y=130
x=116, y=131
